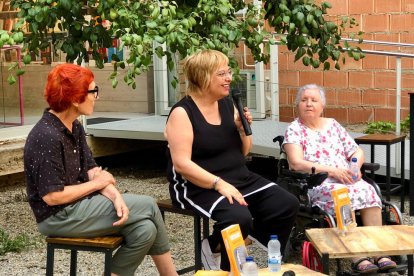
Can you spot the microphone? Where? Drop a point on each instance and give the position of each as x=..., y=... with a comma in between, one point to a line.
x=236, y=94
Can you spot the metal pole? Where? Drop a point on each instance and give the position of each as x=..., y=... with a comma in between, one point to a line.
x=274, y=82
x=398, y=116
x=411, y=154
x=82, y=118
x=21, y=100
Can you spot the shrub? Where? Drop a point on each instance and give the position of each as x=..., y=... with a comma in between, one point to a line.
x=388, y=127
x=16, y=244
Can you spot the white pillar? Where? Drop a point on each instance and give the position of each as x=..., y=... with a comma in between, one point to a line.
x=274, y=82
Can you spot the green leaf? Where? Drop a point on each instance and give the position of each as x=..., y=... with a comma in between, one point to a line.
x=331, y=26
x=155, y=12
x=66, y=4
x=336, y=54
x=356, y=55
x=315, y=63
x=159, y=39
x=337, y=66
x=39, y=17
x=151, y=24
x=174, y=83
x=292, y=27
x=27, y=59
x=309, y=18
x=170, y=65
x=224, y=10
x=299, y=54
x=326, y=5
x=114, y=83
x=306, y=61
x=300, y=17
x=11, y=79
x=196, y=42
x=19, y=72
x=258, y=38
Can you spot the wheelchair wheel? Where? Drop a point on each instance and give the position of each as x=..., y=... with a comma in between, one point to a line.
x=310, y=257
x=392, y=215
x=328, y=223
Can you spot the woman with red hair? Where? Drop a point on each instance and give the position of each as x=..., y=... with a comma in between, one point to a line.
x=70, y=195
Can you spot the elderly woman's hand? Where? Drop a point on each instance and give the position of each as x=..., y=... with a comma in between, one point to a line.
x=230, y=192
x=343, y=175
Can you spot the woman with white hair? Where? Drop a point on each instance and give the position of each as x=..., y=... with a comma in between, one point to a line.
x=316, y=143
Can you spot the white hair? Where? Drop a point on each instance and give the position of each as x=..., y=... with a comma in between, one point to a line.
x=302, y=90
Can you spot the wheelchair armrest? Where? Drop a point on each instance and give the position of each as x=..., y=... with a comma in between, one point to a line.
x=295, y=174
x=370, y=167
x=279, y=139
x=316, y=179
x=313, y=180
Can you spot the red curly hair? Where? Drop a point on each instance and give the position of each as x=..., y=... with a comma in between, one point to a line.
x=66, y=84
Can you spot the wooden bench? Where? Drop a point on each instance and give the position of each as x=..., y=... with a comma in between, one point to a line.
x=106, y=244
x=166, y=205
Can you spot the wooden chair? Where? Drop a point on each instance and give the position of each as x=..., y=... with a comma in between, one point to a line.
x=106, y=244
x=166, y=205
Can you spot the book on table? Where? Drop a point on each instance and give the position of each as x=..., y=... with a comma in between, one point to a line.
x=235, y=248
x=345, y=217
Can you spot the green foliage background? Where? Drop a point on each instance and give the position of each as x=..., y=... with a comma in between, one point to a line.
x=185, y=26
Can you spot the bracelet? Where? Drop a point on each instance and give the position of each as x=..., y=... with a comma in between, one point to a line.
x=216, y=180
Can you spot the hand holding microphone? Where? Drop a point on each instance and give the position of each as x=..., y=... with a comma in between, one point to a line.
x=236, y=94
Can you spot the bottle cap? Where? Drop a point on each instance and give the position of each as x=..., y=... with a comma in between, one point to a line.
x=274, y=237
x=249, y=259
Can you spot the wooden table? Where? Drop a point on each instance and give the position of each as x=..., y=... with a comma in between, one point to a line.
x=368, y=241
x=299, y=270
x=387, y=140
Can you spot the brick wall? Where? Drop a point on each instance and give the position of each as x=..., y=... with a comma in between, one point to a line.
x=362, y=90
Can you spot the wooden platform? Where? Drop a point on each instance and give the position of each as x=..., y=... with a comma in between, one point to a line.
x=151, y=127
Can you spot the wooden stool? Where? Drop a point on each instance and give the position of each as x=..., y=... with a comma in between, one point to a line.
x=106, y=244
x=167, y=206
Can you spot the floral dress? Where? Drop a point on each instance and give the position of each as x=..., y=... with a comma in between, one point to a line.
x=332, y=146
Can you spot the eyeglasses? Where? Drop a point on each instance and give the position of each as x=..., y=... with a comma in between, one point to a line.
x=95, y=91
x=223, y=74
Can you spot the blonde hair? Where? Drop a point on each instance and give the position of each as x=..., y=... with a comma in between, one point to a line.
x=199, y=67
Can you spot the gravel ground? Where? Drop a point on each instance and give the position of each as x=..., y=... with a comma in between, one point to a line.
x=16, y=218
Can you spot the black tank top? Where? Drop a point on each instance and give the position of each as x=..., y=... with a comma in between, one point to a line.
x=217, y=149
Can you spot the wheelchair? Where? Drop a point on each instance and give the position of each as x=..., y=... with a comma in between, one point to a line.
x=313, y=217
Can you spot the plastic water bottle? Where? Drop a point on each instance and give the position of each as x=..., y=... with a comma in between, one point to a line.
x=274, y=260
x=354, y=168
x=250, y=267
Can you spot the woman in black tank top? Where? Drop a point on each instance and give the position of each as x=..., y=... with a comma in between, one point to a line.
x=207, y=170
